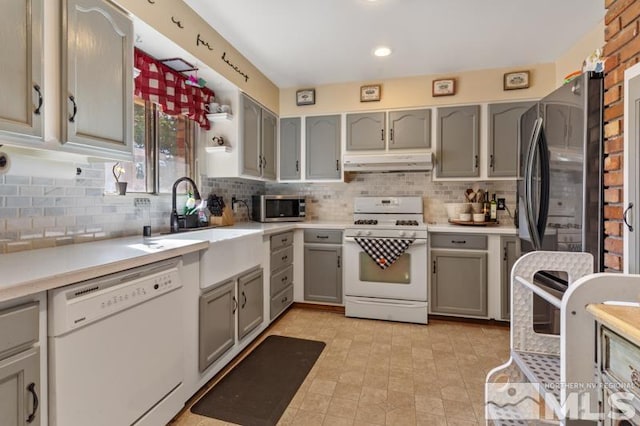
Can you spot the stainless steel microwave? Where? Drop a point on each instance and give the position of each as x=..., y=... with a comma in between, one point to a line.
x=278, y=208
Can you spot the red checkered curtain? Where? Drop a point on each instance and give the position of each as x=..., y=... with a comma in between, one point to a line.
x=160, y=84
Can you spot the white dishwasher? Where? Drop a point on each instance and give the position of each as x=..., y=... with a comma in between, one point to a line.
x=116, y=355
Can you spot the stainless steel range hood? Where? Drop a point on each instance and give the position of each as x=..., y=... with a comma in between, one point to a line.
x=388, y=162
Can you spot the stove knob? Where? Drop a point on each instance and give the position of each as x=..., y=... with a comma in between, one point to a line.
x=358, y=233
x=368, y=233
x=413, y=234
x=402, y=233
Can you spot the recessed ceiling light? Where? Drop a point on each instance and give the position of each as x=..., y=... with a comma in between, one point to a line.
x=382, y=51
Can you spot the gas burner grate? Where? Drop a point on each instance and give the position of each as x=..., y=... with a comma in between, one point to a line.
x=365, y=222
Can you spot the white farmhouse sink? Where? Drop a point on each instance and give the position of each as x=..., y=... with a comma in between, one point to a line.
x=231, y=252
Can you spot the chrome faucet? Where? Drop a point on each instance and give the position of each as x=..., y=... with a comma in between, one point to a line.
x=175, y=222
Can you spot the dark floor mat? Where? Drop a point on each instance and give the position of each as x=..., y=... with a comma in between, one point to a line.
x=259, y=389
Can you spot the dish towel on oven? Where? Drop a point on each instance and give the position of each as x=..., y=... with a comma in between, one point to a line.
x=384, y=251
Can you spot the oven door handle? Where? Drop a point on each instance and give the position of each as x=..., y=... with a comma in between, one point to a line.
x=419, y=242
x=386, y=303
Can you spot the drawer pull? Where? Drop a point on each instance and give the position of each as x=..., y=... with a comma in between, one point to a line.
x=322, y=237
x=284, y=240
x=284, y=279
x=284, y=299
x=285, y=257
x=635, y=377
x=458, y=241
x=244, y=302
x=32, y=389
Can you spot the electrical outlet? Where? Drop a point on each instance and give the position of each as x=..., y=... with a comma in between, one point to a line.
x=501, y=204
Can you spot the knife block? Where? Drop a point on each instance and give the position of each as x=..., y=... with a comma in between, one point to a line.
x=225, y=220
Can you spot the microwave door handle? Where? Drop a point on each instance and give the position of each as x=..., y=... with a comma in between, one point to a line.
x=528, y=184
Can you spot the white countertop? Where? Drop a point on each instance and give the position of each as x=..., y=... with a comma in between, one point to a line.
x=33, y=271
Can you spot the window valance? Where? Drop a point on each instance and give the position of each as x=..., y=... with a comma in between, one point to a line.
x=168, y=88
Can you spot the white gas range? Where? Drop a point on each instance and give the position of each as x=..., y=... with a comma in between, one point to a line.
x=385, y=254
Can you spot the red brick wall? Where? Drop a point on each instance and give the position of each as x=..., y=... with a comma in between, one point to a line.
x=622, y=50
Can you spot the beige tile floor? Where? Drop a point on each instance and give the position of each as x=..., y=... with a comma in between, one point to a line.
x=387, y=373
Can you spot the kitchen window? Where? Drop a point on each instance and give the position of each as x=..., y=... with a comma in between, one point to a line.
x=163, y=151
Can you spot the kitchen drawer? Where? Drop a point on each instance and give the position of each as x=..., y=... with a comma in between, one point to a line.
x=281, y=279
x=281, y=240
x=18, y=328
x=621, y=361
x=281, y=258
x=281, y=301
x=458, y=241
x=328, y=236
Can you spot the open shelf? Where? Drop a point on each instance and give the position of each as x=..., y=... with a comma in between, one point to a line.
x=220, y=116
x=221, y=148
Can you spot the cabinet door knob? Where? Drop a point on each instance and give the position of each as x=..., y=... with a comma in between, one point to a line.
x=37, y=89
x=624, y=217
x=391, y=135
x=32, y=389
x=434, y=266
x=235, y=305
x=339, y=262
x=244, y=300
x=338, y=165
x=476, y=162
x=297, y=166
x=491, y=162
x=72, y=119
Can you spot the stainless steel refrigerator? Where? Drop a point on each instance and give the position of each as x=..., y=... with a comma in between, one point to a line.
x=559, y=188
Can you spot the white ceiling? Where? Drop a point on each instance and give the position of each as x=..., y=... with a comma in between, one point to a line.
x=299, y=43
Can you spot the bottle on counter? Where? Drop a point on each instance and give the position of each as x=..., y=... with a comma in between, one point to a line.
x=486, y=207
x=493, y=209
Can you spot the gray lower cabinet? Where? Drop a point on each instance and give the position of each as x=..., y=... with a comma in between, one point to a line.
x=458, y=141
x=365, y=131
x=281, y=279
x=290, y=134
x=217, y=323
x=323, y=266
x=250, y=301
x=504, y=138
x=510, y=253
x=97, y=82
x=322, y=144
x=19, y=365
x=458, y=282
x=410, y=129
x=20, y=389
x=22, y=85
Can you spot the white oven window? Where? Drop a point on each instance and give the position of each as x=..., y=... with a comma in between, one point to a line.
x=398, y=273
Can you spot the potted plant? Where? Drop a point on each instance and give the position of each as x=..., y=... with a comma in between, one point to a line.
x=118, y=171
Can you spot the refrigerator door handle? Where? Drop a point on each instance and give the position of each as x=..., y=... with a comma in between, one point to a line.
x=528, y=183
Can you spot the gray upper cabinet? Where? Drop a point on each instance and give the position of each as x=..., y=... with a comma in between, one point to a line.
x=323, y=147
x=410, y=129
x=504, y=137
x=269, y=144
x=290, y=129
x=22, y=84
x=365, y=131
x=97, y=82
x=250, y=137
x=258, y=136
x=217, y=323
x=250, y=301
x=458, y=141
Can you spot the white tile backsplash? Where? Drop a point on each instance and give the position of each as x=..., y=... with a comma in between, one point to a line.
x=40, y=212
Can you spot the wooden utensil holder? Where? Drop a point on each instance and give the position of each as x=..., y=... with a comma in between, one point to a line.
x=225, y=220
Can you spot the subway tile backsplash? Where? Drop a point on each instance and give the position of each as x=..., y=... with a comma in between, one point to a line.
x=41, y=212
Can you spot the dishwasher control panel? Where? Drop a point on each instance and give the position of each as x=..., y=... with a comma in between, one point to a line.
x=85, y=303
